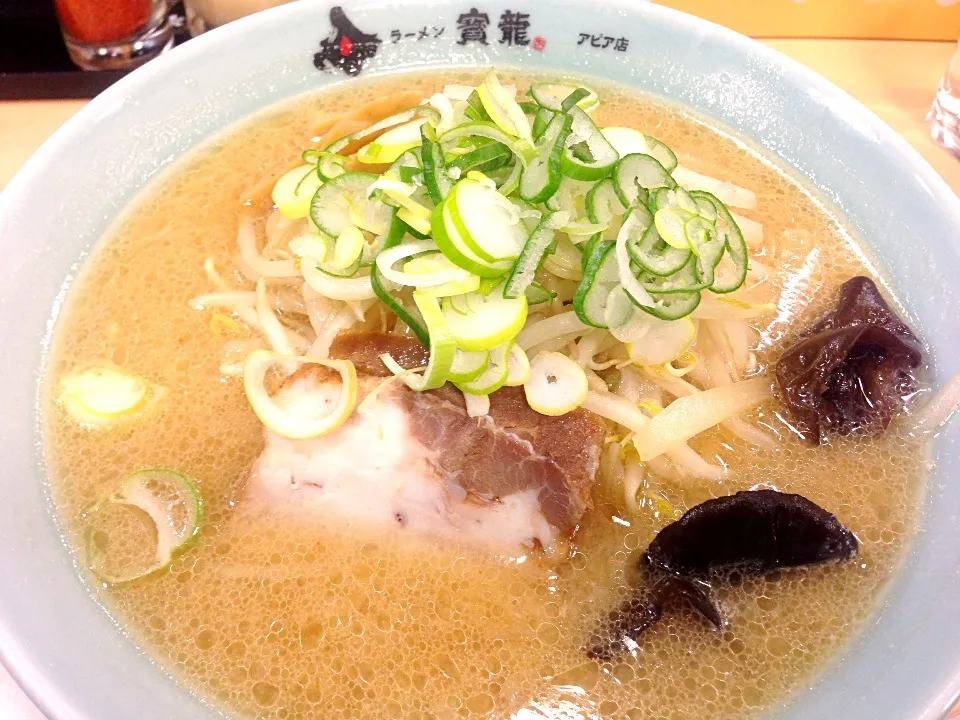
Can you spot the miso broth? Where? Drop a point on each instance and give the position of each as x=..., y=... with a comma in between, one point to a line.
x=272, y=618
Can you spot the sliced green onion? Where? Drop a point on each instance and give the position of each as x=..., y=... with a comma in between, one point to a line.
x=485, y=158
x=447, y=114
x=649, y=251
x=676, y=198
x=490, y=210
x=330, y=165
x=663, y=155
x=332, y=269
x=670, y=222
x=405, y=168
x=468, y=366
x=102, y=396
x=530, y=214
x=418, y=225
x=531, y=257
x=660, y=198
x=626, y=141
x=685, y=280
x=460, y=303
x=334, y=286
x=600, y=275
x=443, y=348
x=437, y=182
x=172, y=503
x=339, y=203
x=437, y=264
x=401, y=195
x=348, y=248
x=602, y=202
x=393, y=143
x=508, y=184
x=707, y=244
x=575, y=97
x=732, y=270
x=313, y=249
x=489, y=131
x=635, y=291
x=492, y=319
x=444, y=272
x=557, y=384
x=672, y=306
x=503, y=109
x=311, y=245
x=636, y=175
x=705, y=209
x=528, y=106
x=452, y=244
x=518, y=367
x=493, y=378
x=540, y=122
x=557, y=96
x=425, y=111
x=408, y=173
x=620, y=314
x=570, y=197
x=588, y=155
x=475, y=109
x=578, y=229
x=294, y=191
x=587, y=248
x=276, y=418
x=537, y=294
x=394, y=238
x=541, y=177
x=488, y=223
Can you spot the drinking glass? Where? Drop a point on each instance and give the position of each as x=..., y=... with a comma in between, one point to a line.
x=114, y=34
x=944, y=116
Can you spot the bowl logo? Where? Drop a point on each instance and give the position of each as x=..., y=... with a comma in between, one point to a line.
x=347, y=47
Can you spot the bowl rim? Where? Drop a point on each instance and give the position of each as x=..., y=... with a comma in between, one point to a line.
x=15, y=655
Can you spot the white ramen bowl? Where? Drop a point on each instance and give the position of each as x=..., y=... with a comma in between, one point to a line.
x=54, y=636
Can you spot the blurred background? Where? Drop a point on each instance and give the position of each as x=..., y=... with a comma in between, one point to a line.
x=865, y=19
x=74, y=49
x=60, y=36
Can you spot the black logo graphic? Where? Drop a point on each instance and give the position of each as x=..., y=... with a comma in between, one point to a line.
x=346, y=47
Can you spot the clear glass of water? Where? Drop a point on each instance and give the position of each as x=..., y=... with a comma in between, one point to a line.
x=944, y=116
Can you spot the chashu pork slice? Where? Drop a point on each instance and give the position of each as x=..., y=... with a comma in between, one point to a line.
x=417, y=463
